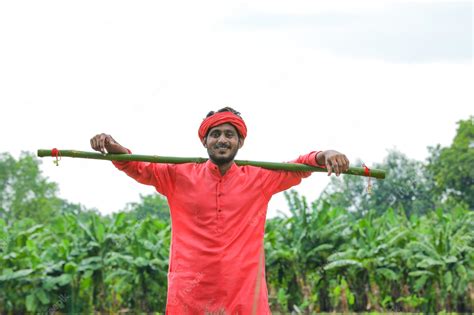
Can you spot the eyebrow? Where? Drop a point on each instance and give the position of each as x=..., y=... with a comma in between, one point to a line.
x=225, y=131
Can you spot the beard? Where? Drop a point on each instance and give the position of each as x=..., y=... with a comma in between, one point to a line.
x=221, y=160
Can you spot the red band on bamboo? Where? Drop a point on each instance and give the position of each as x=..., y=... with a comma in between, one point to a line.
x=55, y=153
x=367, y=173
x=366, y=170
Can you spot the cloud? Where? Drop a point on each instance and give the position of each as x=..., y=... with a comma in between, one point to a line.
x=397, y=32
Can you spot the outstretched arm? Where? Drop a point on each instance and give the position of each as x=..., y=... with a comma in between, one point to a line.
x=161, y=176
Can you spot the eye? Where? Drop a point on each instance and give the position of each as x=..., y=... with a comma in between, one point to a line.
x=229, y=134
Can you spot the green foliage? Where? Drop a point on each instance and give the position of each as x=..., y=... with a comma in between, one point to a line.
x=407, y=187
x=321, y=258
x=452, y=167
x=407, y=247
x=26, y=193
x=332, y=260
x=150, y=205
x=94, y=263
x=302, y=242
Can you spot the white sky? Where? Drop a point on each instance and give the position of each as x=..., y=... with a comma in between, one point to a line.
x=360, y=77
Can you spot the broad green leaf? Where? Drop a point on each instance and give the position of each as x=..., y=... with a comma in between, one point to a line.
x=64, y=279
x=11, y=255
x=340, y=255
x=158, y=263
x=342, y=263
x=448, y=278
x=16, y=275
x=121, y=273
x=397, y=237
x=90, y=260
x=429, y=262
x=31, y=303
x=420, y=282
x=42, y=296
x=119, y=219
x=450, y=259
x=50, y=283
x=99, y=231
x=86, y=229
x=118, y=258
x=388, y=273
x=461, y=271
x=32, y=230
x=141, y=262
x=319, y=248
x=70, y=267
x=420, y=273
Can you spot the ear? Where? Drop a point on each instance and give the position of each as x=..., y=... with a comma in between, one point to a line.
x=241, y=142
x=204, y=142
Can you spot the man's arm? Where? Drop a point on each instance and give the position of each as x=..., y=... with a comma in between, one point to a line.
x=276, y=181
x=161, y=176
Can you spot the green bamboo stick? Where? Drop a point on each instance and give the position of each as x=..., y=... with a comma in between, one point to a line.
x=359, y=171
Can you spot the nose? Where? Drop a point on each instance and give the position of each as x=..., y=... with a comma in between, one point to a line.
x=222, y=142
x=222, y=139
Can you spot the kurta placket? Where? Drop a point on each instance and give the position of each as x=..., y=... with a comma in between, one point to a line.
x=218, y=224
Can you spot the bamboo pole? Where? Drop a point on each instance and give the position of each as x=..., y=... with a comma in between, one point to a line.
x=359, y=171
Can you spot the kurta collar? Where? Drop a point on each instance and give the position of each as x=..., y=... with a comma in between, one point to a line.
x=214, y=169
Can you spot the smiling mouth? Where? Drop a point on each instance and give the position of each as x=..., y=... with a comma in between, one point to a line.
x=222, y=150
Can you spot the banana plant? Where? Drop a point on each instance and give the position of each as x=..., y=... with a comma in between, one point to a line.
x=366, y=260
x=299, y=245
x=442, y=259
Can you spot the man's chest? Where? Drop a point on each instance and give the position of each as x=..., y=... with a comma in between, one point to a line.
x=207, y=198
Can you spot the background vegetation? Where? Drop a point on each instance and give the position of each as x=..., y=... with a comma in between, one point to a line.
x=408, y=246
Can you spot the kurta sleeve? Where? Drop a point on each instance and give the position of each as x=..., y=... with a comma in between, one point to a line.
x=276, y=181
x=159, y=175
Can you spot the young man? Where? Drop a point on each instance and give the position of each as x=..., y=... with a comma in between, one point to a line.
x=218, y=212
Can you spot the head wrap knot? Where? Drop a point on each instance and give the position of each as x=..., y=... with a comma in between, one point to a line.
x=222, y=118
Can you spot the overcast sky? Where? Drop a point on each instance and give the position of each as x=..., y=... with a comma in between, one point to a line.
x=360, y=77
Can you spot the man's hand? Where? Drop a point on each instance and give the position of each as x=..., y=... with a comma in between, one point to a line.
x=106, y=144
x=334, y=161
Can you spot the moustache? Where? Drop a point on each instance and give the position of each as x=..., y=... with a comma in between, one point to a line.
x=222, y=146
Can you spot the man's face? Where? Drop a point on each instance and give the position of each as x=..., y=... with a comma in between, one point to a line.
x=222, y=143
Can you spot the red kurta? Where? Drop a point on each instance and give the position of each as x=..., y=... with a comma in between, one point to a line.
x=218, y=224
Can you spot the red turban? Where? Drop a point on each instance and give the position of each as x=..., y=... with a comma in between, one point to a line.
x=222, y=118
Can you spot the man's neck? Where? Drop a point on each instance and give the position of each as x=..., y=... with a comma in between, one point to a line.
x=225, y=167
